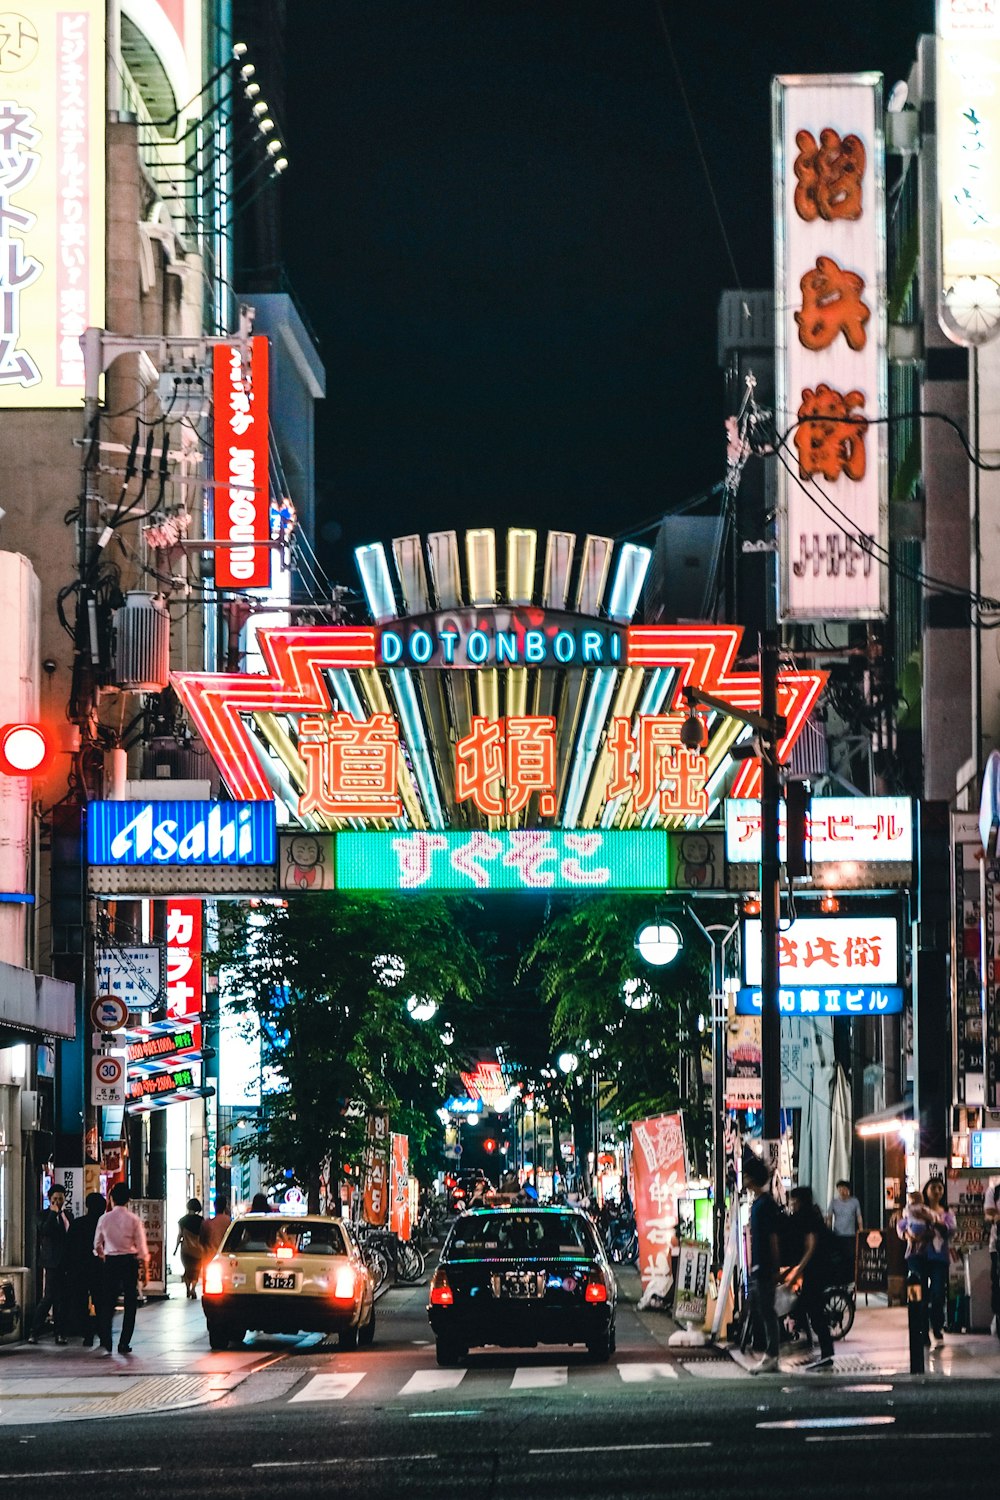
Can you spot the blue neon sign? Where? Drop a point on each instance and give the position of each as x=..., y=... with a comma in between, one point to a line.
x=827, y=1000
x=181, y=833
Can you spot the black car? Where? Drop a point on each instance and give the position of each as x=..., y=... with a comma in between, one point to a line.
x=519, y=1277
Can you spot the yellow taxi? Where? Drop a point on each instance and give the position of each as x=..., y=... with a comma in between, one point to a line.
x=278, y=1274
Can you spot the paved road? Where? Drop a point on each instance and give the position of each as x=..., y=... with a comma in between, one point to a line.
x=302, y=1420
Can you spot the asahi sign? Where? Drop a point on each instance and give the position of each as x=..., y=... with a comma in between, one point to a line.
x=181, y=833
x=830, y=334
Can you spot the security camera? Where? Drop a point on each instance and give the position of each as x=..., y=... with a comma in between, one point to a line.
x=694, y=735
x=48, y=665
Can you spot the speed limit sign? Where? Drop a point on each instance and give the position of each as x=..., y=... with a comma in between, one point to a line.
x=107, y=1079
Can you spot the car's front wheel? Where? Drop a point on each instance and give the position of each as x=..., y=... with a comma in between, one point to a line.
x=450, y=1352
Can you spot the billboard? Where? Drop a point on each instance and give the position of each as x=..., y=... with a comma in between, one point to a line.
x=185, y=986
x=816, y=951
x=968, y=165
x=51, y=199
x=864, y=830
x=830, y=335
x=526, y=860
x=242, y=495
x=827, y=1000
x=181, y=833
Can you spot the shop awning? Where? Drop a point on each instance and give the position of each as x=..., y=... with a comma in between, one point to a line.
x=886, y=1121
x=34, y=1005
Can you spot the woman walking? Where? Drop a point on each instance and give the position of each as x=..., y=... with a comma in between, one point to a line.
x=189, y=1244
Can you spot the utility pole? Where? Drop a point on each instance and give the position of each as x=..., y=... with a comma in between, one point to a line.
x=770, y=889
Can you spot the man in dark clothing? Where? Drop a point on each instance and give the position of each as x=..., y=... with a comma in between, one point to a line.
x=53, y=1230
x=765, y=1260
x=811, y=1273
x=83, y=1271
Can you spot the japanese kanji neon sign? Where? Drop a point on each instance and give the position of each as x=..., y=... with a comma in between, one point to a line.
x=827, y=1000
x=828, y=950
x=499, y=764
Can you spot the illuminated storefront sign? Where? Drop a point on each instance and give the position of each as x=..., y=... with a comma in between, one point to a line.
x=185, y=990
x=828, y=950
x=866, y=830
x=457, y=1104
x=827, y=1000
x=134, y=974
x=52, y=80
x=486, y=1082
x=148, y=1085
x=465, y=640
x=352, y=757
x=830, y=335
x=242, y=495
x=181, y=833
x=162, y=1043
x=967, y=122
x=531, y=860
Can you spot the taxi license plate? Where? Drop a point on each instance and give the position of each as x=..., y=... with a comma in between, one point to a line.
x=521, y=1287
x=278, y=1281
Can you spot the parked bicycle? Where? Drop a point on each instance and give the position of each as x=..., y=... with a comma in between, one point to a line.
x=386, y=1254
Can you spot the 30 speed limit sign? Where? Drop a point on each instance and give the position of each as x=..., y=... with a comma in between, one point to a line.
x=107, y=1079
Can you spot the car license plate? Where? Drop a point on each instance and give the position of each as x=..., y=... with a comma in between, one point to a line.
x=521, y=1286
x=278, y=1281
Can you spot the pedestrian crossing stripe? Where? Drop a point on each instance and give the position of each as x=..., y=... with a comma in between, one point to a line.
x=335, y=1386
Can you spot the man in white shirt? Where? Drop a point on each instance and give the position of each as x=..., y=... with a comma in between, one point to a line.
x=120, y=1244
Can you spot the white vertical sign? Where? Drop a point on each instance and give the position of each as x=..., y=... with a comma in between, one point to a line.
x=830, y=335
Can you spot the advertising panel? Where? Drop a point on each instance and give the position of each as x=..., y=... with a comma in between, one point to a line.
x=967, y=959
x=844, y=950
x=991, y=986
x=827, y=1000
x=865, y=830
x=181, y=833
x=133, y=974
x=242, y=495
x=659, y=1173
x=967, y=123
x=185, y=988
x=375, y=1202
x=399, y=1187
x=532, y=859
x=52, y=79
x=153, y=1213
x=743, y=1088
x=830, y=334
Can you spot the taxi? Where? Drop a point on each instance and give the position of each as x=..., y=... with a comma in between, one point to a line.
x=278, y=1274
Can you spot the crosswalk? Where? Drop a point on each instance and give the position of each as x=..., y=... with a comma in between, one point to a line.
x=341, y=1384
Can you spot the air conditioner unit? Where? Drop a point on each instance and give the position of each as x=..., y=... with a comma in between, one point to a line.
x=142, y=643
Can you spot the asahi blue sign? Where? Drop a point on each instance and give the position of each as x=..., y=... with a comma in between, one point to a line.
x=181, y=833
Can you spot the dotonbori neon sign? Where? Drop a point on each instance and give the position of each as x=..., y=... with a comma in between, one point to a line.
x=463, y=640
x=353, y=765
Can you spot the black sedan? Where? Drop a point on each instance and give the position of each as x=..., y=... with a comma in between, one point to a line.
x=519, y=1277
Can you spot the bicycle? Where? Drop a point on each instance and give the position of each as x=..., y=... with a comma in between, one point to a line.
x=622, y=1241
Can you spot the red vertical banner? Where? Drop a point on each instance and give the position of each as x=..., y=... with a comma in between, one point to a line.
x=185, y=988
x=659, y=1172
x=242, y=494
x=376, y=1177
x=399, y=1187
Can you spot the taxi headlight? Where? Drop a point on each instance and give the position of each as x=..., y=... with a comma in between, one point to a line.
x=213, y=1279
x=344, y=1285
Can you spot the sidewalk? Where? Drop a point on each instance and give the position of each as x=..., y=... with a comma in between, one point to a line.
x=878, y=1344
x=171, y=1368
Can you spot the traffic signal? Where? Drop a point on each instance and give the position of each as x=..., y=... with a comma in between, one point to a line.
x=24, y=750
x=796, y=828
x=489, y=1145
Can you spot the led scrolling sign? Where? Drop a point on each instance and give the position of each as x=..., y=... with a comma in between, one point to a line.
x=352, y=765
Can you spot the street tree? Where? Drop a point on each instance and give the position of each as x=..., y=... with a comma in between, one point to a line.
x=643, y=1032
x=338, y=988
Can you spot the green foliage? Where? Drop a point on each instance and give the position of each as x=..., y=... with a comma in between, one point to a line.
x=303, y=974
x=650, y=1060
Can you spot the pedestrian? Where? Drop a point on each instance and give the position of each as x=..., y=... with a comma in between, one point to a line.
x=844, y=1218
x=938, y=1257
x=120, y=1244
x=810, y=1275
x=914, y=1226
x=765, y=1232
x=991, y=1213
x=260, y=1205
x=213, y=1231
x=83, y=1271
x=53, y=1231
x=189, y=1227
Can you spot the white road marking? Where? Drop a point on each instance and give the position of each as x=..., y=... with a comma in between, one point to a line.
x=329, y=1387
x=316, y=1463
x=802, y=1422
x=531, y=1377
x=641, y=1373
x=69, y=1473
x=620, y=1448
x=423, y=1381
x=903, y=1437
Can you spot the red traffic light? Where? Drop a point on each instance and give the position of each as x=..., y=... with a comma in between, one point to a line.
x=489, y=1145
x=24, y=750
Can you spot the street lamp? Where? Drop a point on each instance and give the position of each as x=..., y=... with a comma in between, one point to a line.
x=659, y=943
x=389, y=970
x=637, y=994
x=567, y=1062
x=421, y=1009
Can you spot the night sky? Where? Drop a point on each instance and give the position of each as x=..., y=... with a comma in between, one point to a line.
x=497, y=220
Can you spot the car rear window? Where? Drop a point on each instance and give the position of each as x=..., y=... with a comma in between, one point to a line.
x=262, y=1236
x=522, y=1234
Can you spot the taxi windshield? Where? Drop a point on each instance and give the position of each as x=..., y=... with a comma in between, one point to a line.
x=265, y=1236
x=521, y=1234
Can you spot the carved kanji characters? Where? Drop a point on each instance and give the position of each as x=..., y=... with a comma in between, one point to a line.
x=829, y=175
x=830, y=440
x=831, y=305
